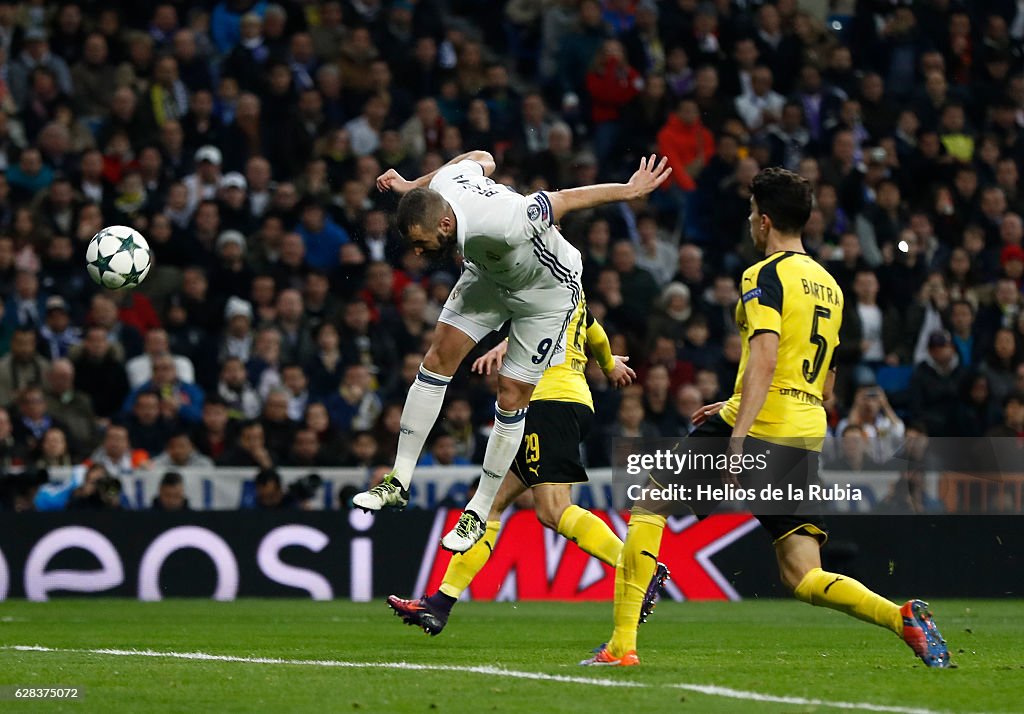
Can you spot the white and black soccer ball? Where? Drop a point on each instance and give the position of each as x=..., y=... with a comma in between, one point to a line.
x=118, y=257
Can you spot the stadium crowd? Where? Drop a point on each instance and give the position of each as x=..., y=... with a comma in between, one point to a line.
x=284, y=318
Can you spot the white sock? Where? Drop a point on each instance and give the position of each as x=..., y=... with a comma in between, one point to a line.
x=422, y=405
x=502, y=446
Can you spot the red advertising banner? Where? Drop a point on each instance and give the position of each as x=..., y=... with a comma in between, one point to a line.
x=531, y=562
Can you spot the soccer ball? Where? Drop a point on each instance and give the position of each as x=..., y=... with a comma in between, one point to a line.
x=118, y=257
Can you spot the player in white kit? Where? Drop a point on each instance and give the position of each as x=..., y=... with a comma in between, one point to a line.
x=518, y=268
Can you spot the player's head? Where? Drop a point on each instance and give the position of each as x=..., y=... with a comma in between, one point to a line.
x=780, y=201
x=426, y=220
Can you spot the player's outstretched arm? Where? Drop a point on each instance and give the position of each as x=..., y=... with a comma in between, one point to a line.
x=614, y=366
x=757, y=380
x=391, y=180
x=651, y=174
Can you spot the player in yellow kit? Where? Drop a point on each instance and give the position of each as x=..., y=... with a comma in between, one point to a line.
x=560, y=416
x=788, y=315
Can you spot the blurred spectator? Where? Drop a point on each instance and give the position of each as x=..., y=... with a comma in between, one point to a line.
x=976, y=413
x=306, y=450
x=32, y=418
x=318, y=421
x=654, y=252
x=36, y=54
x=296, y=340
x=760, y=107
x=322, y=237
x=100, y=373
x=270, y=495
x=354, y=405
x=180, y=453
x=116, y=453
x=1013, y=417
x=296, y=388
x=934, y=385
x=178, y=399
x=23, y=367
x=10, y=450
x=869, y=334
x=156, y=344
x=687, y=143
x=441, y=451
x=100, y=491
x=211, y=434
x=1000, y=365
x=52, y=450
x=57, y=333
x=879, y=423
x=70, y=406
x=631, y=423
x=104, y=314
x=363, y=450
x=855, y=450
x=638, y=286
x=148, y=429
x=238, y=394
x=251, y=449
x=171, y=494
x=278, y=427
x=238, y=337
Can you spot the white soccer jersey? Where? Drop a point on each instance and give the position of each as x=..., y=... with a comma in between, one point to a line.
x=505, y=236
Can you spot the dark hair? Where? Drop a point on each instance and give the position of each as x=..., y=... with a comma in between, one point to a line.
x=179, y=431
x=783, y=196
x=147, y=393
x=420, y=207
x=171, y=478
x=268, y=476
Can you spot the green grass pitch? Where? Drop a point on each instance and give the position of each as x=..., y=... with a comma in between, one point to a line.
x=688, y=650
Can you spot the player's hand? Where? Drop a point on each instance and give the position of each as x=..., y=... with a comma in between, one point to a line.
x=492, y=360
x=391, y=180
x=733, y=454
x=708, y=410
x=651, y=174
x=621, y=375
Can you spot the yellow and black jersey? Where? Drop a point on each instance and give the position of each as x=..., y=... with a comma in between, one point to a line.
x=793, y=296
x=567, y=382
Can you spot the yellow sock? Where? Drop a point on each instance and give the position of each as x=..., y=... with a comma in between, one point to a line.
x=847, y=595
x=633, y=574
x=590, y=533
x=463, y=567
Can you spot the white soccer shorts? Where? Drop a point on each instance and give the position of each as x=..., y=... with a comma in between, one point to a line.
x=539, y=316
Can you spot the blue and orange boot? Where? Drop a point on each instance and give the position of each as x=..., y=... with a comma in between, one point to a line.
x=424, y=613
x=921, y=634
x=604, y=658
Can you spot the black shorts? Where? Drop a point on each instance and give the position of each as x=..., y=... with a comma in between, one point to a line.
x=787, y=464
x=550, y=452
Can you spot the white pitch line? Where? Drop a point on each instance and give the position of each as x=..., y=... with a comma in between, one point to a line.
x=707, y=689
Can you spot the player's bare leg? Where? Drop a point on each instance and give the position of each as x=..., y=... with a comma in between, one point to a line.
x=422, y=405
x=502, y=445
x=430, y=613
x=800, y=571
